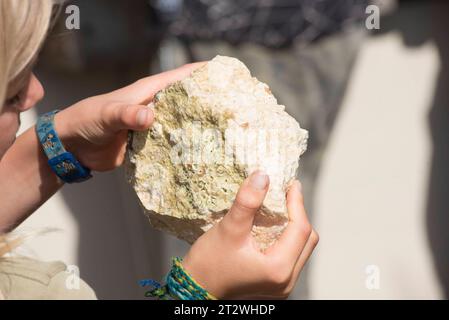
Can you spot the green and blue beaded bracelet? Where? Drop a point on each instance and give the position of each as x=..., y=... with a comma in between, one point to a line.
x=179, y=285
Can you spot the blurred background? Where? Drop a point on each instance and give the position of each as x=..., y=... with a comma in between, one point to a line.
x=375, y=102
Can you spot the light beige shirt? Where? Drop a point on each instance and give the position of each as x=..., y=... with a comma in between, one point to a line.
x=26, y=278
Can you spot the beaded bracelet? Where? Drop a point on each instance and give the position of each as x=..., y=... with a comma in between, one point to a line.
x=179, y=285
x=63, y=163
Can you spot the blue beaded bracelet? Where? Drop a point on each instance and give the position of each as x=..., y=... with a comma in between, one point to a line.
x=62, y=162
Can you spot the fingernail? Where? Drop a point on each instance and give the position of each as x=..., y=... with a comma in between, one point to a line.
x=258, y=180
x=142, y=117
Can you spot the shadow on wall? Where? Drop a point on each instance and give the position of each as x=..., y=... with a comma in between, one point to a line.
x=438, y=199
x=419, y=22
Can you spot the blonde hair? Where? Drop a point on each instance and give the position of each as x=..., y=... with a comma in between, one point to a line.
x=23, y=27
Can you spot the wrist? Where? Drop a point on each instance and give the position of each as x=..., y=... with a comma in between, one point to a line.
x=65, y=132
x=201, y=276
x=180, y=285
x=63, y=163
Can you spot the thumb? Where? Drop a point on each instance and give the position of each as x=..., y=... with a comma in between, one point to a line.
x=239, y=220
x=129, y=117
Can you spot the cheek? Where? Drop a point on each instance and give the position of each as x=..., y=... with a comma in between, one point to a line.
x=34, y=93
x=9, y=125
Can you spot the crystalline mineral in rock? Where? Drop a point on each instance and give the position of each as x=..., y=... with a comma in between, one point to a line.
x=211, y=131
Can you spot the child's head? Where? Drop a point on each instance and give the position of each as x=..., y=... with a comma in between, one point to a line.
x=23, y=26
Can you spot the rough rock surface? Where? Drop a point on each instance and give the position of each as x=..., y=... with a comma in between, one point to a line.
x=211, y=131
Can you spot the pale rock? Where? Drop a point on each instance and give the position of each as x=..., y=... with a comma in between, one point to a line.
x=211, y=131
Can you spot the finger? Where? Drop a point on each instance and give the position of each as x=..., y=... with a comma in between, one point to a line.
x=307, y=251
x=303, y=258
x=121, y=146
x=239, y=220
x=292, y=241
x=118, y=117
x=114, y=153
x=143, y=90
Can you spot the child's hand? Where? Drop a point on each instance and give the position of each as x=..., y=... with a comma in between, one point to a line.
x=226, y=261
x=95, y=129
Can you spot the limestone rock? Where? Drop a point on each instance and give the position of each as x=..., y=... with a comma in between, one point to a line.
x=211, y=131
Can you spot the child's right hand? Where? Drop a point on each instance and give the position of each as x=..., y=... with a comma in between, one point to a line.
x=226, y=261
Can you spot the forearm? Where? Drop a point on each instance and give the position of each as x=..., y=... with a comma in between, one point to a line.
x=26, y=180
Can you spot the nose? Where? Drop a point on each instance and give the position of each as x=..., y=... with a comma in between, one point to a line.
x=34, y=93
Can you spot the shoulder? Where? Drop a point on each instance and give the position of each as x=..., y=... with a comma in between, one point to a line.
x=26, y=278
